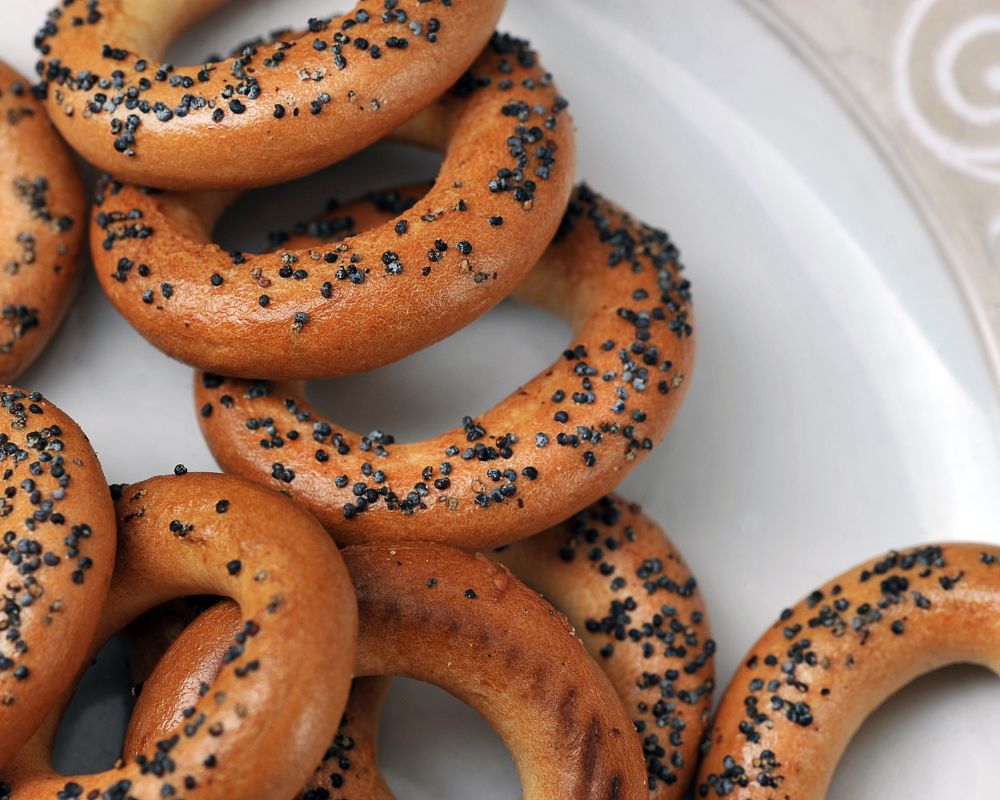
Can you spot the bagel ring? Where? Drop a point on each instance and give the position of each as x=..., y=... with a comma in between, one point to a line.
x=554, y=446
x=330, y=309
x=280, y=109
x=464, y=623
x=57, y=552
x=288, y=658
x=634, y=602
x=42, y=213
x=811, y=680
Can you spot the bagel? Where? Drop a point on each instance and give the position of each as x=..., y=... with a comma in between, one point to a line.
x=464, y=623
x=554, y=446
x=349, y=765
x=42, y=220
x=331, y=309
x=811, y=680
x=286, y=107
x=57, y=552
x=287, y=660
x=628, y=593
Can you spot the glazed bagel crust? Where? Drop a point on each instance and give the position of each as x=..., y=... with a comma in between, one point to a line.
x=286, y=673
x=57, y=552
x=627, y=591
x=287, y=107
x=335, y=308
x=464, y=623
x=554, y=446
x=813, y=678
x=42, y=220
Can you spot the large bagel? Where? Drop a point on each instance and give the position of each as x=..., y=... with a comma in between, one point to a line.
x=287, y=659
x=57, y=553
x=42, y=213
x=463, y=622
x=555, y=445
x=273, y=111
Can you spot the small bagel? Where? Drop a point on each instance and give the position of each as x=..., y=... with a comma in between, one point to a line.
x=274, y=111
x=181, y=651
x=335, y=308
x=287, y=665
x=464, y=623
x=554, y=446
x=42, y=213
x=57, y=552
x=628, y=593
x=809, y=682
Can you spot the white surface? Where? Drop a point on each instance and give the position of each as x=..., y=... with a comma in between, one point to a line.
x=841, y=404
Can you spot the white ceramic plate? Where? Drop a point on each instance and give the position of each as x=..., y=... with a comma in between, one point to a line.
x=841, y=404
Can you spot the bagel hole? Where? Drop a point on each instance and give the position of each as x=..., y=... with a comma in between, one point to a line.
x=465, y=374
x=222, y=31
x=92, y=730
x=904, y=736
x=434, y=745
x=249, y=223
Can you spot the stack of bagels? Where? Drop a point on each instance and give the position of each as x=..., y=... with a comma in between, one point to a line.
x=266, y=608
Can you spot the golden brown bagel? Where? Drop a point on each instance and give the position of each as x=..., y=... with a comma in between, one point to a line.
x=628, y=593
x=57, y=552
x=813, y=678
x=149, y=635
x=332, y=309
x=624, y=588
x=274, y=111
x=463, y=622
x=350, y=765
x=184, y=649
x=41, y=227
x=286, y=674
x=555, y=445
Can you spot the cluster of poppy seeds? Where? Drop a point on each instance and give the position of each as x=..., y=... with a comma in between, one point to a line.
x=134, y=93
x=780, y=698
x=17, y=319
x=37, y=538
x=336, y=758
x=643, y=616
x=607, y=390
x=286, y=280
